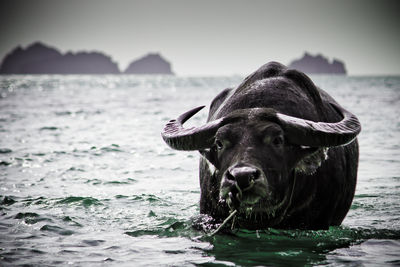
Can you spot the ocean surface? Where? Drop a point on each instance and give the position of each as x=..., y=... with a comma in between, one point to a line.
x=86, y=180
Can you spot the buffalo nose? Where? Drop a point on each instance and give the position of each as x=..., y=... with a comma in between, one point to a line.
x=243, y=176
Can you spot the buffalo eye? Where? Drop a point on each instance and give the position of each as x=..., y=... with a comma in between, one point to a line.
x=219, y=144
x=277, y=141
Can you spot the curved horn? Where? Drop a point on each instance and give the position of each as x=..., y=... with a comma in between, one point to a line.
x=321, y=134
x=195, y=138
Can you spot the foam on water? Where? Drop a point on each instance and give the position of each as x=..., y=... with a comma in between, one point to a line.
x=85, y=178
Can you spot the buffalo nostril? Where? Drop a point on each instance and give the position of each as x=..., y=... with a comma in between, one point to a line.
x=230, y=177
x=243, y=176
x=256, y=175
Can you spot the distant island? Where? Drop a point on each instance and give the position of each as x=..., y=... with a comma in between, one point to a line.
x=150, y=64
x=39, y=58
x=318, y=65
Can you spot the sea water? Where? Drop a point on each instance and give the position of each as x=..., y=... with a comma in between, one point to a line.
x=86, y=180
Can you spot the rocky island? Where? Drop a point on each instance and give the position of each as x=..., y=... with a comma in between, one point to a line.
x=149, y=64
x=39, y=58
x=318, y=65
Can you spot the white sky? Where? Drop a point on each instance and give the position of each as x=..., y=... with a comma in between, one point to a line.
x=217, y=37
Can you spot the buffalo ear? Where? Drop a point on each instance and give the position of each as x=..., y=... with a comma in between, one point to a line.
x=210, y=156
x=311, y=160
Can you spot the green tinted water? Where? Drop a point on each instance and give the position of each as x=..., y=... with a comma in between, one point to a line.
x=85, y=178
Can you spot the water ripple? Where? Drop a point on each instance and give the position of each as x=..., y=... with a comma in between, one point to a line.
x=56, y=229
x=86, y=180
x=80, y=201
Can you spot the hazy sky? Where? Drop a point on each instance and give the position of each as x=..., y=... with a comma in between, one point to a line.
x=213, y=37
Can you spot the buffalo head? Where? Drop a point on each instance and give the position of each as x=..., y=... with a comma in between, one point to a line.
x=254, y=151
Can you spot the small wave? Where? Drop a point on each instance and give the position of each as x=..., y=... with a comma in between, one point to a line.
x=116, y=183
x=22, y=215
x=39, y=154
x=138, y=233
x=96, y=181
x=151, y=214
x=4, y=163
x=94, y=150
x=169, y=228
x=69, y=252
x=5, y=226
x=35, y=201
x=338, y=234
x=121, y=197
x=365, y=196
x=75, y=169
x=59, y=152
x=56, y=229
x=173, y=225
x=111, y=148
x=113, y=248
x=78, y=112
x=5, y=150
x=7, y=200
x=359, y=205
x=63, y=113
x=123, y=182
x=147, y=197
x=31, y=217
x=70, y=221
x=93, y=243
x=37, y=251
x=83, y=201
x=48, y=128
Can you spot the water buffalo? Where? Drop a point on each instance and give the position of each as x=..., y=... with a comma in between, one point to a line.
x=277, y=149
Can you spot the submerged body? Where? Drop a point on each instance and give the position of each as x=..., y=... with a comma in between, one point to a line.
x=277, y=149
